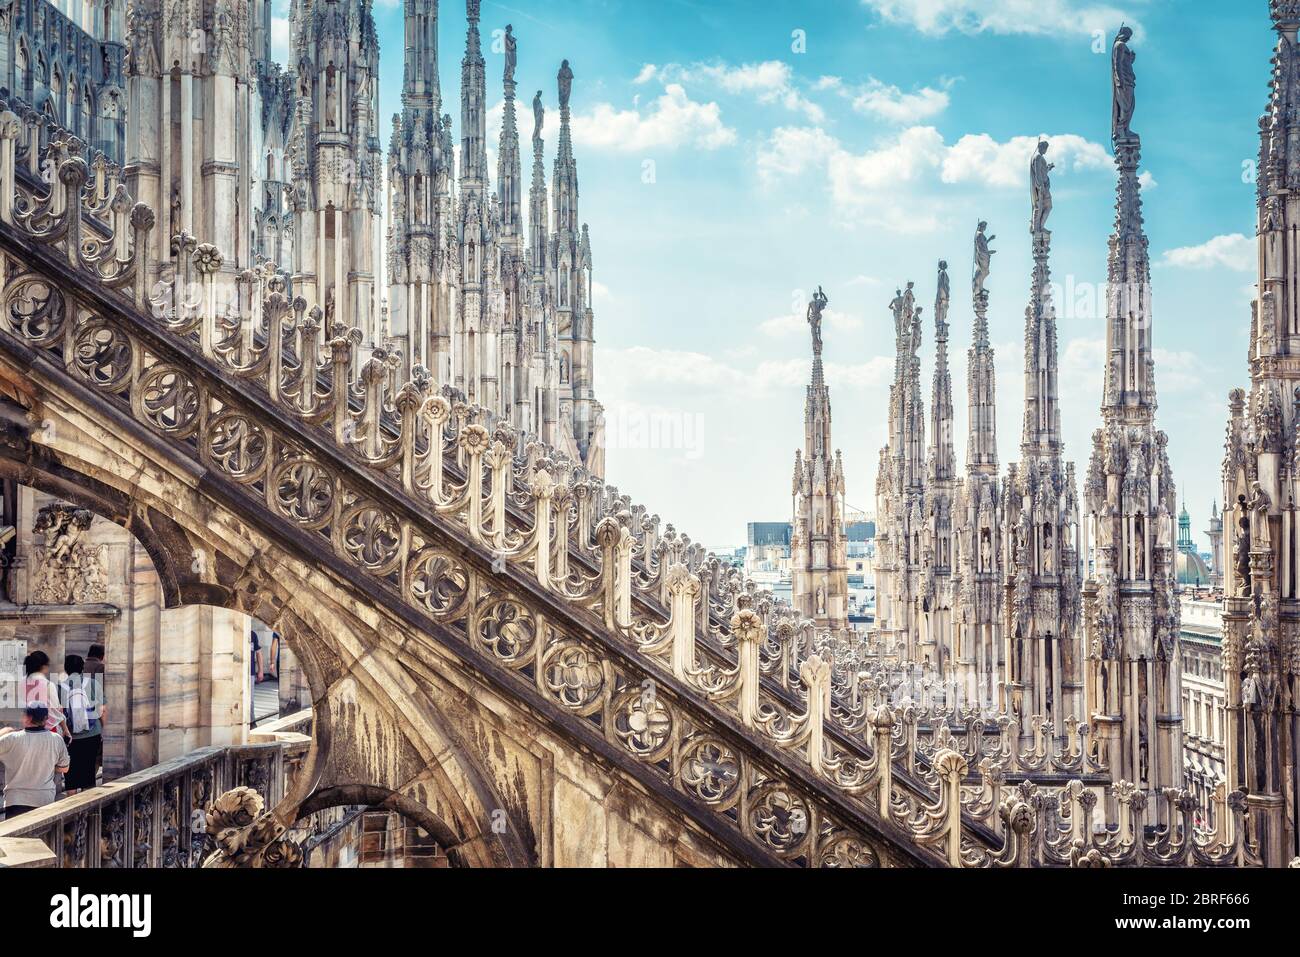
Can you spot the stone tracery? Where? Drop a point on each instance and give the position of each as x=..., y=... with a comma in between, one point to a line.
x=411, y=487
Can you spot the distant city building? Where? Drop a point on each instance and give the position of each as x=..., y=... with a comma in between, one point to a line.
x=1204, y=702
x=1191, y=567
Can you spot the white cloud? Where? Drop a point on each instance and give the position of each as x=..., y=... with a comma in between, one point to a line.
x=648, y=73
x=880, y=186
x=978, y=158
x=696, y=379
x=770, y=82
x=890, y=103
x=672, y=120
x=904, y=159
x=1064, y=18
x=887, y=102
x=1180, y=371
x=792, y=150
x=642, y=366
x=794, y=322
x=1234, y=251
x=1147, y=181
x=494, y=120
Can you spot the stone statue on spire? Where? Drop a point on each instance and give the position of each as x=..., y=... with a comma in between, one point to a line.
x=1041, y=187
x=512, y=54
x=566, y=84
x=943, y=295
x=539, y=117
x=1123, y=85
x=983, y=258
x=815, y=309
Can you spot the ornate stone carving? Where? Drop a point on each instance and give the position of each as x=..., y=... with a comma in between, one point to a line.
x=248, y=836
x=69, y=568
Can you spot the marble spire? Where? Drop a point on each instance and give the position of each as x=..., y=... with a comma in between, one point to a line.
x=1261, y=480
x=1130, y=598
x=509, y=163
x=421, y=86
x=1044, y=682
x=981, y=424
x=900, y=492
x=420, y=173
x=941, y=492
x=978, y=533
x=1042, y=419
x=818, y=553
x=473, y=105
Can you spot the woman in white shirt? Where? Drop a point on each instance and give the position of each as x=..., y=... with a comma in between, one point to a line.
x=38, y=689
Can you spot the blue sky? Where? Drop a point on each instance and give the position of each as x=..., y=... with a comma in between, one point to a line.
x=735, y=155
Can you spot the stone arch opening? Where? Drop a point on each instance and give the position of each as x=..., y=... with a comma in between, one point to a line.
x=395, y=830
x=84, y=569
x=373, y=725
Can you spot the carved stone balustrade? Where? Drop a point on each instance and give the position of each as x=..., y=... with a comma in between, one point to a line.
x=478, y=543
x=155, y=817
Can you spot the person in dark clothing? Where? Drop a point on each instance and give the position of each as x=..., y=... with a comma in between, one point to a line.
x=95, y=668
x=81, y=695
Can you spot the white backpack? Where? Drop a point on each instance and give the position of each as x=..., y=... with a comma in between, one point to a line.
x=78, y=706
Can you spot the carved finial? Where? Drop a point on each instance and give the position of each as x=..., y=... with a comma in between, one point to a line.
x=1285, y=13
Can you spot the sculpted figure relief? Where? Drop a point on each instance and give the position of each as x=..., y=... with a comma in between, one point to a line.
x=1241, y=548
x=1260, y=503
x=70, y=569
x=331, y=98
x=144, y=55
x=539, y=117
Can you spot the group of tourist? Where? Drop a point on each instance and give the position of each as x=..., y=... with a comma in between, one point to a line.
x=62, y=732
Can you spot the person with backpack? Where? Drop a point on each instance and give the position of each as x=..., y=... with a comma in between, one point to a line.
x=82, y=698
